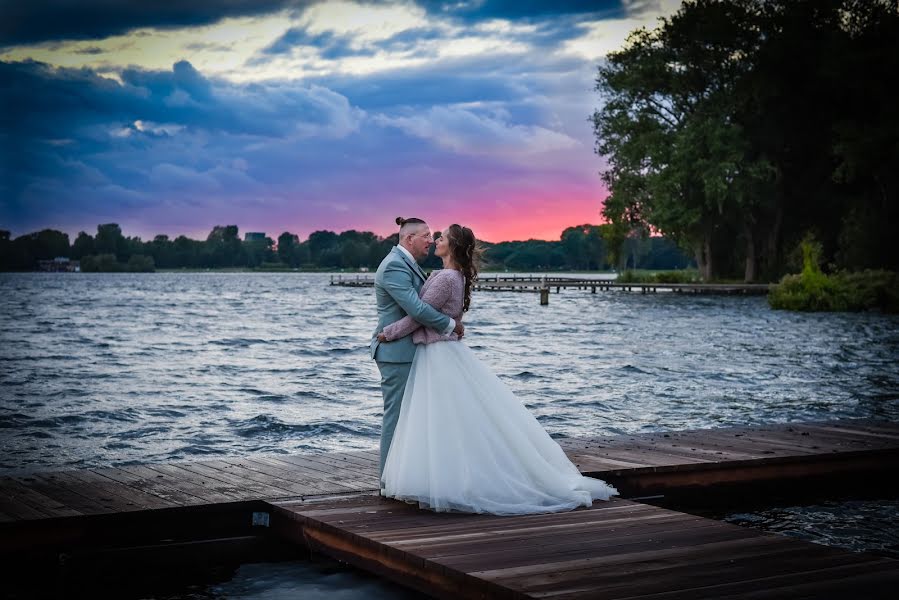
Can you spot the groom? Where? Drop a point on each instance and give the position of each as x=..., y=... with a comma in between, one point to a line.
x=397, y=282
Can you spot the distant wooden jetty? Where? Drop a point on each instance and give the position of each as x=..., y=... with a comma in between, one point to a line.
x=543, y=285
x=623, y=548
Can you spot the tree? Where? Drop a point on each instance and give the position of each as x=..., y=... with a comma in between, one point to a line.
x=188, y=252
x=584, y=247
x=738, y=126
x=223, y=247
x=287, y=243
x=110, y=240
x=163, y=252
x=139, y=263
x=674, y=155
x=83, y=246
x=257, y=252
x=321, y=241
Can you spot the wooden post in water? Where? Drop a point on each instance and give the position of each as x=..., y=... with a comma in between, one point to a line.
x=544, y=296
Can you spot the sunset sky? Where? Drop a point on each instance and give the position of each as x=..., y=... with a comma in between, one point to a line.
x=288, y=115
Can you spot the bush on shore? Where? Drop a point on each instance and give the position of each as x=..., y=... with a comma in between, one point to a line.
x=107, y=263
x=680, y=276
x=813, y=290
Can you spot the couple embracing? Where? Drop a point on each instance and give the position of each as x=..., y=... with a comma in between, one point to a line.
x=455, y=437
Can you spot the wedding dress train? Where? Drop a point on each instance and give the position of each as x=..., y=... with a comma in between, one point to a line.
x=464, y=442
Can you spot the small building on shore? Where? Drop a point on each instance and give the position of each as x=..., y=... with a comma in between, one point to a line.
x=60, y=264
x=254, y=236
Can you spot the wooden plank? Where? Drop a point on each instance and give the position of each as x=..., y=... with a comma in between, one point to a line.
x=514, y=568
x=432, y=542
x=342, y=463
x=693, y=571
x=312, y=482
x=59, y=486
x=26, y=502
x=814, y=442
x=127, y=498
x=744, y=444
x=112, y=496
x=363, y=459
x=874, y=583
x=252, y=472
x=875, y=429
x=150, y=483
x=261, y=485
x=354, y=475
x=615, y=549
x=211, y=491
x=320, y=472
x=748, y=585
x=675, y=446
x=503, y=552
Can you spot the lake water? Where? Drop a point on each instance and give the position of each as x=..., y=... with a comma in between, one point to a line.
x=111, y=369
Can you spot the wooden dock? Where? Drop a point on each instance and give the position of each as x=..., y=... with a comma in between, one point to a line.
x=544, y=285
x=618, y=549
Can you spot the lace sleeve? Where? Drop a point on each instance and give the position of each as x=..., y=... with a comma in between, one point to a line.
x=436, y=294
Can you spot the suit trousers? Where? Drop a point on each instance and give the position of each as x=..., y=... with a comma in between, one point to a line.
x=393, y=384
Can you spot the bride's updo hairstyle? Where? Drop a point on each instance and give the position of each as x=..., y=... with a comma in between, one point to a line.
x=466, y=253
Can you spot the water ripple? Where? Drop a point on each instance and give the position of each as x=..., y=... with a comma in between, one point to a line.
x=107, y=369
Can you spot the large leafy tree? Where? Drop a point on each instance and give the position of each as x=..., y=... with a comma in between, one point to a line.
x=738, y=126
x=677, y=160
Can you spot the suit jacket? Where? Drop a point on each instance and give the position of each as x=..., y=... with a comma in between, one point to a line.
x=397, y=284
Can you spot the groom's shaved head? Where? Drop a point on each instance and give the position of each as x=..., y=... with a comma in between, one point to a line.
x=415, y=236
x=409, y=226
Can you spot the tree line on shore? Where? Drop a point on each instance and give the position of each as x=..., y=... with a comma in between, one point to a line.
x=582, y=247
x=741, y=128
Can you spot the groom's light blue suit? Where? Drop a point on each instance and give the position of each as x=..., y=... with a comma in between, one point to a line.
x=397, y=283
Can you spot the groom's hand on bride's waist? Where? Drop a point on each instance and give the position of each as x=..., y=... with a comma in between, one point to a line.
x=460, y=329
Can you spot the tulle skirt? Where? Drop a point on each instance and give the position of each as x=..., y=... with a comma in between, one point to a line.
x=464, y=442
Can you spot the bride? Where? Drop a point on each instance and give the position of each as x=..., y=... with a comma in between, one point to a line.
x=463, y=441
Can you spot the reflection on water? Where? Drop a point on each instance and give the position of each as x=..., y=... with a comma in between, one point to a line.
x=857, y=525
x=111, y=369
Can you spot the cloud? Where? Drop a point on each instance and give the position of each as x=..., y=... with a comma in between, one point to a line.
x=327, y=44
x=46, y=20
x=304, y=116
x=72, y=134
x=475, y=10
x=466, y=132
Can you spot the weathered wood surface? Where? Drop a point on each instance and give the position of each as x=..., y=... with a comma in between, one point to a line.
x=643, y=462
x=648, y=463
x=616, y=549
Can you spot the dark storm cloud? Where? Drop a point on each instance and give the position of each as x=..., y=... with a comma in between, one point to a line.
x=30, y=21
x=523, y=9
x=151, y=130
x=33, y=21
x=329, y=45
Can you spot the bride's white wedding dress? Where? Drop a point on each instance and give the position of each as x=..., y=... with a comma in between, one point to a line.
x=463, y=441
